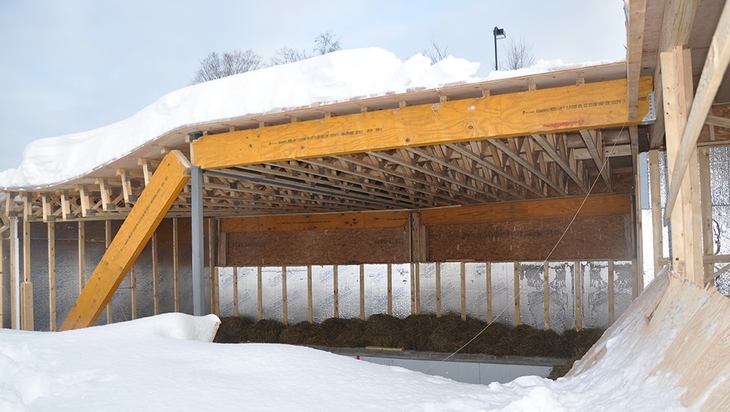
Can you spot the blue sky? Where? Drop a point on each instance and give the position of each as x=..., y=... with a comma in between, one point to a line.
x=72, y=65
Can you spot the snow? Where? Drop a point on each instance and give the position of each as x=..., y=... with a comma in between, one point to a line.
x=331, y=78
x=167, y=362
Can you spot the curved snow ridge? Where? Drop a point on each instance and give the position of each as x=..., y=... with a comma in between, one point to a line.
x=334, y=77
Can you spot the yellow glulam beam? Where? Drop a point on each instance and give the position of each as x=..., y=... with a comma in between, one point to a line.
x=137, y=229
x=560, y=109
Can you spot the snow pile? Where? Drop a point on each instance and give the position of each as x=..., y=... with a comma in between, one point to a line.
x=334, y=77
x=138, y=365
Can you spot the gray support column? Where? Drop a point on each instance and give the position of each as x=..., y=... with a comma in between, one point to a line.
x=196, y=178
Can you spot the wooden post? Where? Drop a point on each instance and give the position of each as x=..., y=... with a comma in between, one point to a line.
x=13, y=271
x=260, y=293
x=706, y=205
x=488, y=274
x=362, y=291
x=26, y=297
x=283, y=296
x=107, y=242
x=463, y=290
x=175, y=265
x=235, y=291
x=52, y=275
x=335, y=292
x=686, y=217
x=413, y=288
x=2, y=282
x=578, y=302
x=438, y=290
x=213, y=270
x=546, y=294
x=390, y=289
x=133, y=289
x=611, y=301
x=82, y=255
x=418, y=288
x=155, y=276
x=656, y=209
x=310, y=309
x=516, y=274
x=26, y=288
x=637, y=284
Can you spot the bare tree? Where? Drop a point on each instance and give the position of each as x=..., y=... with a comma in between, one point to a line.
x=288, y=55
x=215, y=66
x=519, y=54
x=326, y=42
x=437, y=54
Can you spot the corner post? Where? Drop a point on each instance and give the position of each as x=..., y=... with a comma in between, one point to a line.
x=198, y=240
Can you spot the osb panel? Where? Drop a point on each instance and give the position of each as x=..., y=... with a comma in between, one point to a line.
x=602, y=237
x=385, y=245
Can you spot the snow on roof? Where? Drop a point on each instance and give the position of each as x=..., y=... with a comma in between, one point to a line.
x=331, y=78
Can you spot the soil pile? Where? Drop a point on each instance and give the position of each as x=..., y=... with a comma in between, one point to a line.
x=423, y=333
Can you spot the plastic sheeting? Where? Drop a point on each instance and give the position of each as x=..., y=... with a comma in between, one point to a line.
x=594, y=294
x=503, y=293
x=348, y=284
x=561, y=289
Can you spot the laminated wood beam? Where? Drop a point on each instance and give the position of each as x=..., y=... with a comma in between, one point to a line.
x=600, y=205
x=560, y=109
x=325, y=221
x=134, y=233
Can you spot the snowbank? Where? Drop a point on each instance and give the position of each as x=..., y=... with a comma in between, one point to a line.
x=166, y=363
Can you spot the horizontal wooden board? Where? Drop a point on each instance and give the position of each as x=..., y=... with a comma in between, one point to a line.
x=599, y=237
x=318, y=247
x=324, y=221
x=604, y=205
x=560, y=109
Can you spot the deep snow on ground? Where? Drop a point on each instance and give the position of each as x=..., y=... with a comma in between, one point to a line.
x=334, y=77
x=167, y=362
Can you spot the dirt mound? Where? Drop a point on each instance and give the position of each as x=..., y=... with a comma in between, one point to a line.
x=423, y=333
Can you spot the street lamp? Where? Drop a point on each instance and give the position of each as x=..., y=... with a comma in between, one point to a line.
x=498, y=34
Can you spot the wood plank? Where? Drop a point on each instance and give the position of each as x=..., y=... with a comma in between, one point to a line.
x=175, y=264
x=462, y=272
x=390, y=289
x=133, y=289
x=260, y=293
x=26, y=306
x=235, y=291
x=598, y=205
x=213, y=269
x=516, y=278
x=362, y=292
x=310, y=309
x=637, y=284
x=716, y=63
x=107, y=242
x=3, y=274
x=13, y=236
x=335, y=292
x=656, y=209
x=155, y=276
x=135, y=232
x=706, y=205
x=26, y=250
x=611, y=289
x=488, y=275
x=284, y=307
x=578, y=301
x=324, y=221
x=81, y=255
x=585, y=106
x=594, y=144
x=438, y=290
x=556, y=157
x=546, y=294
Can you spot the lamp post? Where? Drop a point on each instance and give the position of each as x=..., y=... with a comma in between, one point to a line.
x=498, y=34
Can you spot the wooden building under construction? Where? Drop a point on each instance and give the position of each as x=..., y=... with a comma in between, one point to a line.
x=516, y=200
